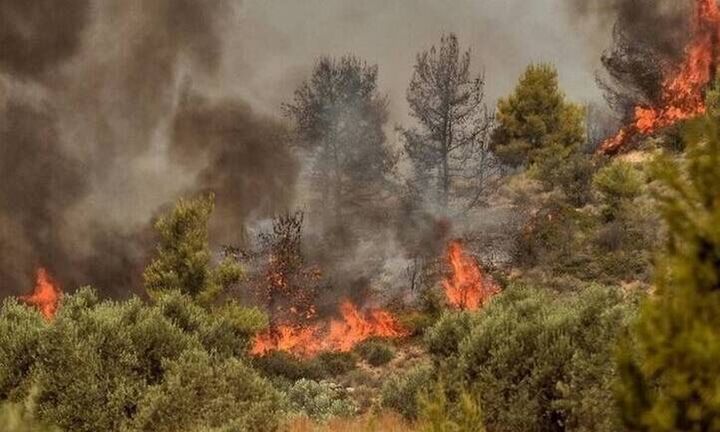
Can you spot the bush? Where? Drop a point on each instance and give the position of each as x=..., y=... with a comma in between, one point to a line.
x=319, y=400
x=444, y=338
x=121, y=361
x=280, y=364
x=236, y=395
x=400, y=392
x=21, y=330
x=536, y=361
x=417, y=322
x=335, y=363
x=375, y=352
x=438, y=414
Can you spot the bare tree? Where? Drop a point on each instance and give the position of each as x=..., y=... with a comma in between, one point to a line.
x=449, y=149
x=290, y=285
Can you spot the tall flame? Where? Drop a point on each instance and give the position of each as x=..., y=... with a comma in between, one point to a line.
x=336, y=335
x=682, y=94
x=45, y=296
x=468, y=287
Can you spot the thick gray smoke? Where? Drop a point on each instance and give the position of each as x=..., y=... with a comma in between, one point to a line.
x=249, y=165
x=110, y=110
x=660, y=25
x=93, y=130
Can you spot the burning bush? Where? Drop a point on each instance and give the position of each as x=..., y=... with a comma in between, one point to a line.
x=468, y=287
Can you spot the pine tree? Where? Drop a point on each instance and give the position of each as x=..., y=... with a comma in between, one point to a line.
x=449, y=148
x=670, y=368
x=183, y=260
x=535, y=117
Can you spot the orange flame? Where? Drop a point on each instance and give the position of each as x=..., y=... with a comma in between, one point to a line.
x=335, y=335
x=682, y=95
x=468, y=287
x=45, y=296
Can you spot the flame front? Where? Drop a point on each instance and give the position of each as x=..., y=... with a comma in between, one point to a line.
x=683, y=93
x=340, y=335
x=45, y=296
x=468, y=287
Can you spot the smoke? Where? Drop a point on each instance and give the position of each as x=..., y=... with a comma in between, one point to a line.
x=35, y=36
x=659, y=25
x=648, y=39
x=98, y=134
x=110, y=110
x=249, y=165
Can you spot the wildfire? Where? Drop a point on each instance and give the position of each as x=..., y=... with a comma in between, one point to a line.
x=468, y=287
x=45, y=296
x=336, y=335
x=682, y=96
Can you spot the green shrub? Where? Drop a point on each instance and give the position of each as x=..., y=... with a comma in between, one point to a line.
x=444, y=338
x=280, y=364
x=400, y=392
x=319, y=400
x=335, y=363
x=21, y=330
x=438, y=414
x=375, y=352
x=416, y=322
x=235, y=394
x=536, y=361
x=112, y=365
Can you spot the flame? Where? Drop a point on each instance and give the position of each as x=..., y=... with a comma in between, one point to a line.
x=45, y=296
x=682, y=94
x=468, y=287
x=341, y=335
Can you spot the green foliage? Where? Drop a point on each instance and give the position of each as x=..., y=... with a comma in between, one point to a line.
x=280, y=364
x=227, y=330
x=670, y=365
x=437, y=414
x=183, y=254
x=319, y=400
x=535, y=362
x=376, y=352
x=400, y=391
x=21, y=330
x=102, y=359
x=335, y=363
x=535, y=116
x=236, y=397
x=119, y=365
x=444, y=338
x=567, y=170
x=617, y=184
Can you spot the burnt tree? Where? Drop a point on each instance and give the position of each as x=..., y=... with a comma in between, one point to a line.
x=449, y=148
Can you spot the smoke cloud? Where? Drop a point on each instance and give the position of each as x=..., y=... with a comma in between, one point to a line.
x=99, y=134
x=111, y=110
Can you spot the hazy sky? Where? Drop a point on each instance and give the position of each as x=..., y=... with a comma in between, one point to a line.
x=270, y=45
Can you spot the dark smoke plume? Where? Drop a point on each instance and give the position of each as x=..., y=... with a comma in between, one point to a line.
x=39, y=183
x=37, y=35
x=96, y=139
x=248, y=162
x=649, y=38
